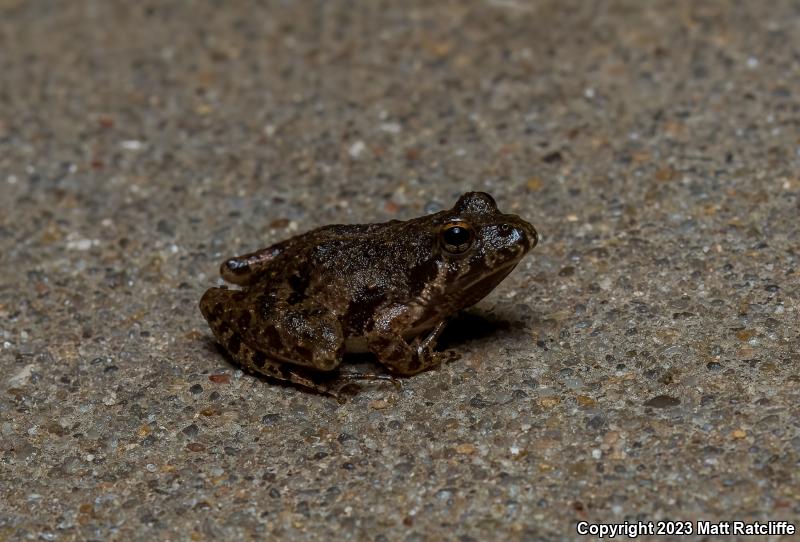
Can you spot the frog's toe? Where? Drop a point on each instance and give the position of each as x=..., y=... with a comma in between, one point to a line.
x=448, y=356
x=350, y=377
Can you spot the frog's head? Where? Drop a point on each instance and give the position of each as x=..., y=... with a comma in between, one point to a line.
x=479, y=246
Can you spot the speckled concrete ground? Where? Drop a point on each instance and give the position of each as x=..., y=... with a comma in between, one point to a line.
x=642, y=364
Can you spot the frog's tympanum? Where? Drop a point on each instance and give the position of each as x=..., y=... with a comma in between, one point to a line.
x=383, y=288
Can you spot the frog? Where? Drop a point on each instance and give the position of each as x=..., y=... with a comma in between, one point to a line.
x=296, y=307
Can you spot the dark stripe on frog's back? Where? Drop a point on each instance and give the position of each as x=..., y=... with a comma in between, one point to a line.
x=422, y=275
x=347, y=231
x=298, y=282
x=361, y=312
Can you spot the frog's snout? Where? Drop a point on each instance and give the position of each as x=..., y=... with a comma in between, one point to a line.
x=523, y=234
x=530, y=235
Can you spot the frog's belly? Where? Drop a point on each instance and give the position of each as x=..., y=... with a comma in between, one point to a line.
x=358, y=345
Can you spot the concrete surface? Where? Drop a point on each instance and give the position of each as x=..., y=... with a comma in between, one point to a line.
x=642, y=364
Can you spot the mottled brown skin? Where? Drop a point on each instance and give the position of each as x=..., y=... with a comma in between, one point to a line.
x=383, y=288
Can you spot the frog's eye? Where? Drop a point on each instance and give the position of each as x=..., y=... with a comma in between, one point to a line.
x=457, y=237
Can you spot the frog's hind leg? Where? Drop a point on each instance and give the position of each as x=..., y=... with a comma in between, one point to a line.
x=229, y=318
x=216, y=306
x=219, y=305
x=260, y=363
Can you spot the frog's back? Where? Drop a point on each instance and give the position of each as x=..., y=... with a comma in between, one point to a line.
x=351, y=271
x=265, y=264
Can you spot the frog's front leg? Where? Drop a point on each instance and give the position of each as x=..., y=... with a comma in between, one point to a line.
x=392, y=350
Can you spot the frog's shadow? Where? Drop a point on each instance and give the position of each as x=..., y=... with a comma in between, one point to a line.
x=465, y=327
x=462, y=328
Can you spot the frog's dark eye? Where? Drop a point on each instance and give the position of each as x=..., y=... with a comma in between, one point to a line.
x=457, y=237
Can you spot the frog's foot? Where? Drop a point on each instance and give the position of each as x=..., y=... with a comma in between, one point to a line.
x=350, y=377
x=294, y=376
x=288, y=374
x=448, y=356
x=406, y=359
x=257, y=362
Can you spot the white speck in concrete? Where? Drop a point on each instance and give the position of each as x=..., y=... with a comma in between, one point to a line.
x=357, y=148
x=80, y=243
x=132, y=145
x=22, y=375
x=391, y=127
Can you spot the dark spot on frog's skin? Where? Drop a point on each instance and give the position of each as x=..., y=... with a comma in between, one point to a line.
x=234, y=344
x=362, y=310
x=264, y=304
x=259, y=359
x=271, y=334
x=422, y=276
x=244, y=320
x=304, y=352
x=299, y=285
x=222, y=326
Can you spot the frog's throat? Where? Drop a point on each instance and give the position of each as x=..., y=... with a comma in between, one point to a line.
x=462, y=297
x=491, y=280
